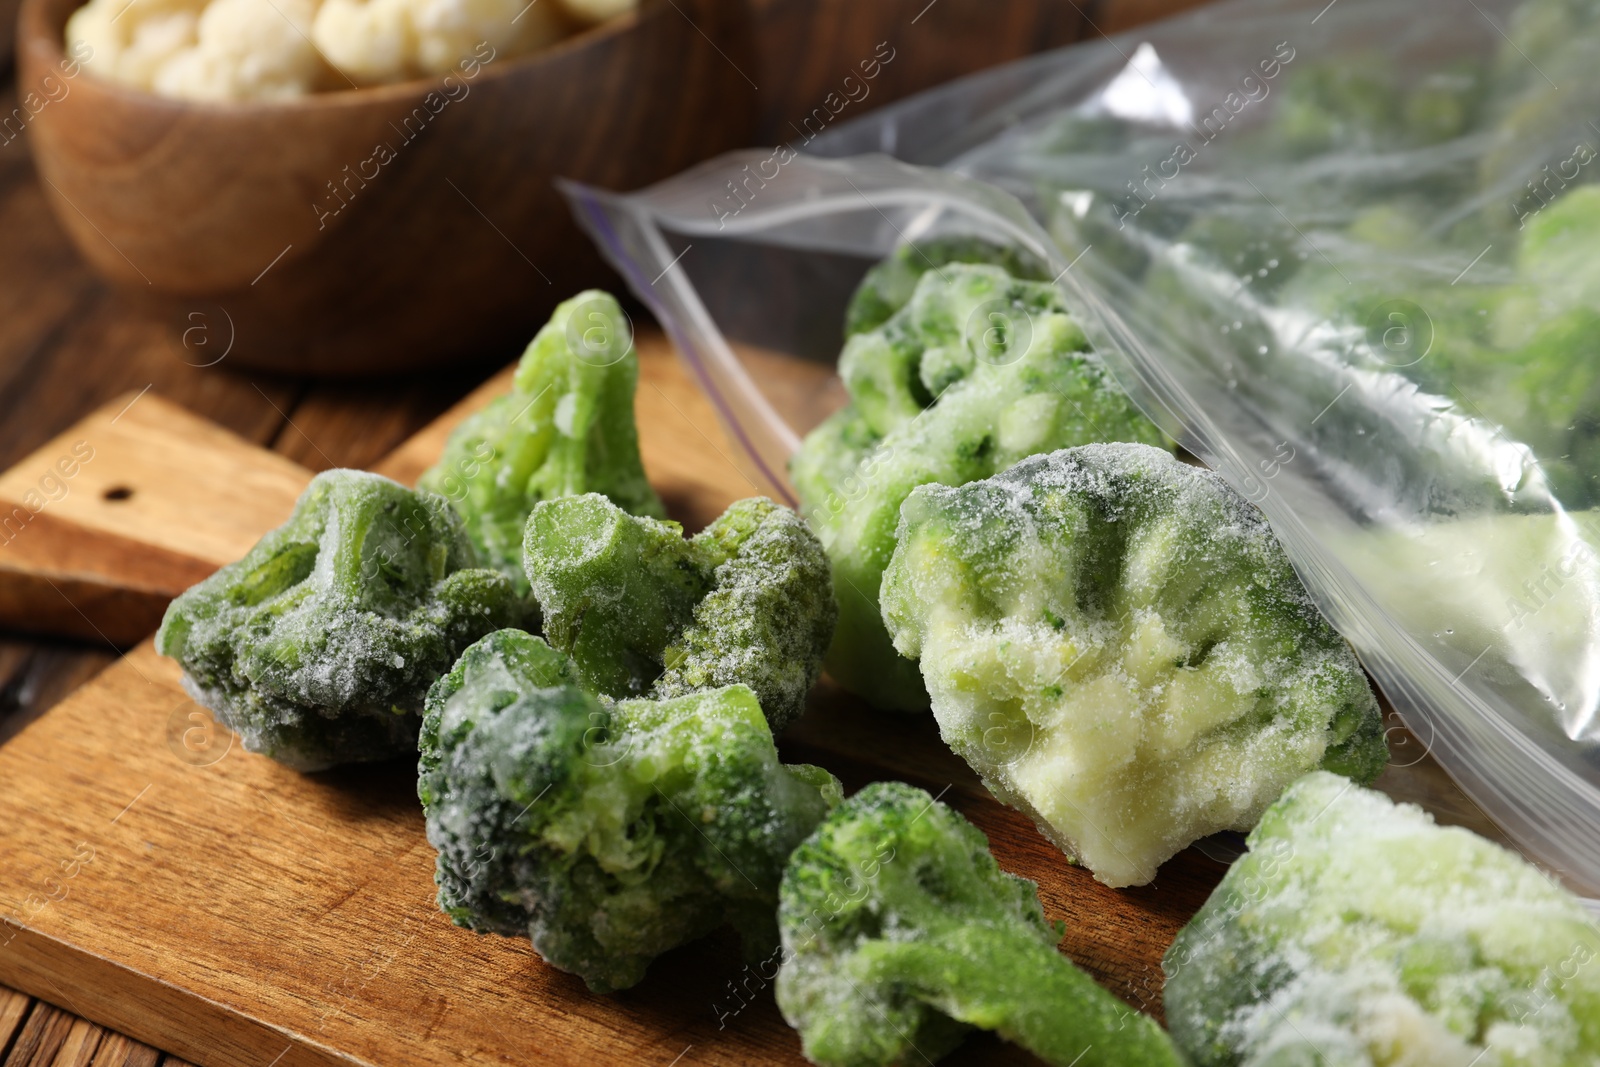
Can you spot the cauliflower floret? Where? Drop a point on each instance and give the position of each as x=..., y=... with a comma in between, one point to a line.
x=594, y=12
x=129, y=40
x=376, y=41
x=220, y=50
x=247, y=50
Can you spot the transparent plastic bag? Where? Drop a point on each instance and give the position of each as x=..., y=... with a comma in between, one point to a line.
x=1338, y=251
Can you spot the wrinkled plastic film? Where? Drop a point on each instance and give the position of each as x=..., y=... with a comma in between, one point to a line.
x=1440, y=507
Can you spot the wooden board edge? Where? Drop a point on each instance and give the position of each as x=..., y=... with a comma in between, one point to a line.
x=88, y=608
x=134, y=1003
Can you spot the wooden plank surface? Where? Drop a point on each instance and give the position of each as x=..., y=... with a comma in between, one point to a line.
x=103, y=525
x=214, y=903
x=68, y=345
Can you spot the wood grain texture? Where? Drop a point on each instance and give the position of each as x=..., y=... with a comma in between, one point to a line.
x=165, y=497
x=117, y=1050
x=40, y=1038
x=235, y=911
x=441, y=246
x=35, y=675
x=14, y=1009
x=805, y=49
x=103, y=525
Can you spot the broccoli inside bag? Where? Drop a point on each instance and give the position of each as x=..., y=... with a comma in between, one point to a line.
x=1345, y=254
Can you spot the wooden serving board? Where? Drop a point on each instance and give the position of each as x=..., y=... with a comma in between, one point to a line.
x=163, y=882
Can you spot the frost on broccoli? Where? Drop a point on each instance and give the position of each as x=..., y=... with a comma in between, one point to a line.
x=887, y=287
x=567, y=427
x=643, y=610
x=319, y=646
x=901, y=934
x=1358, y=933
x=607, y=834
x=1117, y=643
x=977, y=371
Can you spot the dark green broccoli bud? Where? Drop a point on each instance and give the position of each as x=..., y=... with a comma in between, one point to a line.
x=319, y=646
x=605, y=834
x=1016, y=378
x=887, y=286
x=641, y=609
x=1356, y=932
x=901, y=934
x=1117, y=643
x=567, y=427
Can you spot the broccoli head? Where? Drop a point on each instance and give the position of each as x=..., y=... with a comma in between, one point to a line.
x=976, y=372
x=901, y=933
x=318, y=647
x=643, y=610
x=1117, y=643
x=606, y=834
x=566, y=427
x=1357, y=933
x=888, y=285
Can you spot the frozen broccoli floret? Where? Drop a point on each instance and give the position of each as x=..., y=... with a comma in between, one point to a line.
x=566, y=427
x=887, y=286
x=1117, y=643
x=641, y=609
x=607, y=834
x=319, y=646
x=901, y=934
x=1357, y=933
x=1005, y=373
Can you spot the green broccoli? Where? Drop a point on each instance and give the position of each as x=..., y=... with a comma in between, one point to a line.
x=1117, y=643
x=641, y=609
x=607, y=834
x=888, y=285
x=976, y=372
x=566, y=427
x=1357, y=933
x=901, y=934
x=1360, y=107
x=319, y=646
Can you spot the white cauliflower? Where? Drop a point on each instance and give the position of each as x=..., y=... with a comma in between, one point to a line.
x=247, y=50
x=222, y=50
x=592, y=12
x=376, y=41
x=217, y=51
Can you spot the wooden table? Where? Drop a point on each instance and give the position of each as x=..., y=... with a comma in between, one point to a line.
x=69, y=345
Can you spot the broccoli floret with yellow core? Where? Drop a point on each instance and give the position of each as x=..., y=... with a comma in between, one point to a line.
x=977, y=371
x=1117, y=643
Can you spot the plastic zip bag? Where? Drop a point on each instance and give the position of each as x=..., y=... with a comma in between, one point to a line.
x=1336, y=250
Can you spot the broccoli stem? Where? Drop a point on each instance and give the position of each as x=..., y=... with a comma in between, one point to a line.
x=1003, y=978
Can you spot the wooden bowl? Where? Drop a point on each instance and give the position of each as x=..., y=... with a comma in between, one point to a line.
x=8, y=32
x=282, y=235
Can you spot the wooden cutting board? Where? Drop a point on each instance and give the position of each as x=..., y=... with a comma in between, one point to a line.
x=163, y=882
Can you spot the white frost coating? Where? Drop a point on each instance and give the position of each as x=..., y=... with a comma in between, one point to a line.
x=566, y=408
x=1116, y=643
x=1383, y=940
